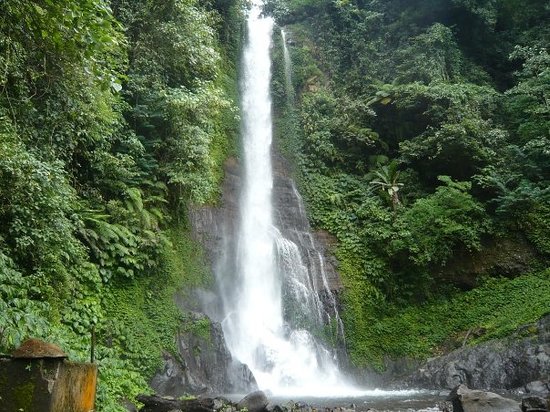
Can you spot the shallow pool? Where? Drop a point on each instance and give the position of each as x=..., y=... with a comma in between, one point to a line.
x=380, y=400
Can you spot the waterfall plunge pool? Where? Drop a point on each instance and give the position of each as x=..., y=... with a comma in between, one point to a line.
x=365, y=399
x=410, y=400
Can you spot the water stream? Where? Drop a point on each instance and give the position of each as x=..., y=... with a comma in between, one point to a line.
x=288, y=70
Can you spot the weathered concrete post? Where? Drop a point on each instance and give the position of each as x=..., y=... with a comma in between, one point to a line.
x=39, y=378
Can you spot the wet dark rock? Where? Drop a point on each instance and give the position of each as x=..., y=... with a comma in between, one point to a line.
x=508, y=257
x=291, y=218
x=292, y=406
x=156, y=403
x=172, y=380
x=304, y=407
x=204, y=364
x=219, y=403
x=465, y=399
x=343, y=409
x=211, y=225
x=445, y=406
x=272, y=407
x=254, y=402
x=396, y=372
x=534, y=404
x=501, y=364
x=129, y=406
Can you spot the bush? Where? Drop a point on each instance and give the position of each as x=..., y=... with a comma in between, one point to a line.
x=497, y=308
x=434, y=227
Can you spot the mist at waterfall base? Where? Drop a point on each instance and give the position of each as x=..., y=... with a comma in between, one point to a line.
x=276, y=341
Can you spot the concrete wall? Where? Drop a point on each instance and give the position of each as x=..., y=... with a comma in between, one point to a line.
x=47, y=385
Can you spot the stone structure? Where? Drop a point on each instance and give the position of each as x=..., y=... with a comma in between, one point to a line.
x=39, y=378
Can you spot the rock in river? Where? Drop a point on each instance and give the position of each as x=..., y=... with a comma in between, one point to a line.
x=253, y=402
x=465, y=399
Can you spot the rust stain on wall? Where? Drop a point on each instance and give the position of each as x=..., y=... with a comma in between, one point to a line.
x=75, y=388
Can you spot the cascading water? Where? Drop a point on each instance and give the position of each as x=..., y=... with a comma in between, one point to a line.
x=288, y=70
x=272, y=338
x=317, y=265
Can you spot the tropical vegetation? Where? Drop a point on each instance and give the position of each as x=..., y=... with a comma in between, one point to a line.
x=115, y=116
x=418, y=131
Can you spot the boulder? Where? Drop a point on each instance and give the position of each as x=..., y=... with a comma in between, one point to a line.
x=292, y=406
x=129, y=406
x=534, y=404
x=508, y=363
x=156, y=403
x=538, y=387
x=272, y=407
x=254, y=402
x=465, y=399
x=219, y=403
x=204, y=364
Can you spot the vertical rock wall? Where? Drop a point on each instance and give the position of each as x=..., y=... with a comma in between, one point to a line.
x=215, y=227
x=203, y=363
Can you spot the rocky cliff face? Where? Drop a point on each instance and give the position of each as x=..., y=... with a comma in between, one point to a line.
x=291, y=218
x=203, y=363
x=509, y=257
x=512, y=363
x=215, y=227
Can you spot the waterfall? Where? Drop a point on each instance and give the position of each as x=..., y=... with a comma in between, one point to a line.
x=288, y=70
x=273, y=303
x=327, y=310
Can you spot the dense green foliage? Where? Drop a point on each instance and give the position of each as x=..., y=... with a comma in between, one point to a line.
x=419, y=133
x=493, y=310
x=114, y=116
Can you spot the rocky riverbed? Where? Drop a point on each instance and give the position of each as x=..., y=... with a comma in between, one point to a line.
x=460, y=399
x=259, y=402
